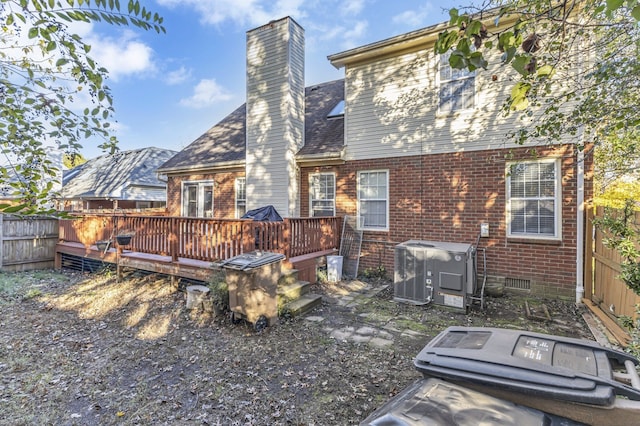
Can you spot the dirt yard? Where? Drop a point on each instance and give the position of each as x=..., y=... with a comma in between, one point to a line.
x=85, y=350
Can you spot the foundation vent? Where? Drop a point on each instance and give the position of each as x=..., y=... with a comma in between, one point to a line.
x=517, y=283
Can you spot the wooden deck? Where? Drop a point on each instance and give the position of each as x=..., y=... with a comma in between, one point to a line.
x=185, y=268
x=188, y=247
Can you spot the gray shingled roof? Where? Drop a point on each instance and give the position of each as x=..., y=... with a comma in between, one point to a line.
x=224, y=144
x=109, y=176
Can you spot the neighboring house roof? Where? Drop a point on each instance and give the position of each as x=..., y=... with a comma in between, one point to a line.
x=125, y=175
x=224, y=145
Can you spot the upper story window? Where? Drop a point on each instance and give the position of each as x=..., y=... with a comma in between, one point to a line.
x=457, y=87
x=322, y=194
x=241, y=197
x=197, y=199
x=373, y=200
x=533, y=199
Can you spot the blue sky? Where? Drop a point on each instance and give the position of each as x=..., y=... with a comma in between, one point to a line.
x=170, y=88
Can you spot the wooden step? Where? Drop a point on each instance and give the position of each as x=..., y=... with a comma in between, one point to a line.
x=289, y=292
x=288, y=276
x=303, y=305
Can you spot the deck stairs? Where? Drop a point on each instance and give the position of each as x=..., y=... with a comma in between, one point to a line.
x=293, y=295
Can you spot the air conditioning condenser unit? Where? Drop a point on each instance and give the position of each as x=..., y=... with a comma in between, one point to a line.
x=434, y=272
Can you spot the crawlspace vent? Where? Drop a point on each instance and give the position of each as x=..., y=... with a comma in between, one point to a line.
x=82, y=264
x=517, y=283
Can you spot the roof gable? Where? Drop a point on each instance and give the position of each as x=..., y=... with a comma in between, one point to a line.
x=224, y=145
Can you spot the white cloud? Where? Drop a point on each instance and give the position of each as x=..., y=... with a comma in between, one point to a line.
x=352, y=36
x=352, y=7
x=414, y=18
x=206, y=93
x=241, y=12
x=178, y=76
x=123, y=56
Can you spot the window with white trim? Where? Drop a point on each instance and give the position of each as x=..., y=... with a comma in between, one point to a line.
x=457, y=87
x=373, y=199
x=241, y=197
x=533, y=199
x=197, y=199
x=322, y=194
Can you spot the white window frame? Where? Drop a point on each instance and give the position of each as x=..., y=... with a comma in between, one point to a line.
x=312, y=210
x=556, y=199
x=240, y=181
x=362, y=221
x=201, y=187
x=456, y=75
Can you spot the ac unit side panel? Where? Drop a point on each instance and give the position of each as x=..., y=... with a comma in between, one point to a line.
x=452, y=282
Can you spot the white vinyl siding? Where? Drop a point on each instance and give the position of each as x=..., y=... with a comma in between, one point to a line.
x=392, y=110
x=322, y=194
x=275, y=115
x=241, y=197
x=373, y=200
x=197, y=199
x=533, y=199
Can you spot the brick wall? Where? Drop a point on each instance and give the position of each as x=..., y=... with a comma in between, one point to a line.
x=224, y=193
x=445, y=197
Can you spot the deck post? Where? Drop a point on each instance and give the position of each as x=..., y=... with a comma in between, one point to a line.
x=287, y=237
x=248, y=236
x=119, y=274
x=173, y=239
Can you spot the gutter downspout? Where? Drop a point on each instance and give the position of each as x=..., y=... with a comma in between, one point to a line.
x=580, y=249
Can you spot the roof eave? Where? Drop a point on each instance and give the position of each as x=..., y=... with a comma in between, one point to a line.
x=323, y=159
x=388, y=46
x=411, y=41
x=223, y=165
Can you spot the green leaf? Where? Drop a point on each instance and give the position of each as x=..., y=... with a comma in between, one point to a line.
x=635, y=12
x=446, y=39
x=457, y=60
x=474, y=27
x=464, y=46
x=14, y=209
x=545, y=71
x=453, y=15
x=33, y=32
x=519, y=94
x=62, y=61
x=614, y=4
x=520, y=62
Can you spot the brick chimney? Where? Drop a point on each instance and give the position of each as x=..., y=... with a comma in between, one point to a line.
x=275, y=115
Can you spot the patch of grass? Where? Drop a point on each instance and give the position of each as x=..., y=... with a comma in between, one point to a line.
x=32, y=293
x=321, y=274
x=413, y=326
x=26, y=285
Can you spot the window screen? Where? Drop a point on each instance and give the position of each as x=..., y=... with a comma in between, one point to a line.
x=373, y=194
x=533, y=199
x=322, y=192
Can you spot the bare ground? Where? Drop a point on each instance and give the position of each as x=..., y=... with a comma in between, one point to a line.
x=85, y=350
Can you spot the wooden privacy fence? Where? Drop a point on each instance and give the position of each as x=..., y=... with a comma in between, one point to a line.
x=602, y=267
x=27, y=243
x=206, y=239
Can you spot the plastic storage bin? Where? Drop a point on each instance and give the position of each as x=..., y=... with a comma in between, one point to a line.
x=334, y=268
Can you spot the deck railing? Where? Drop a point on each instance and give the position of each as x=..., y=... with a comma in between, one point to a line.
x=205, y=239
